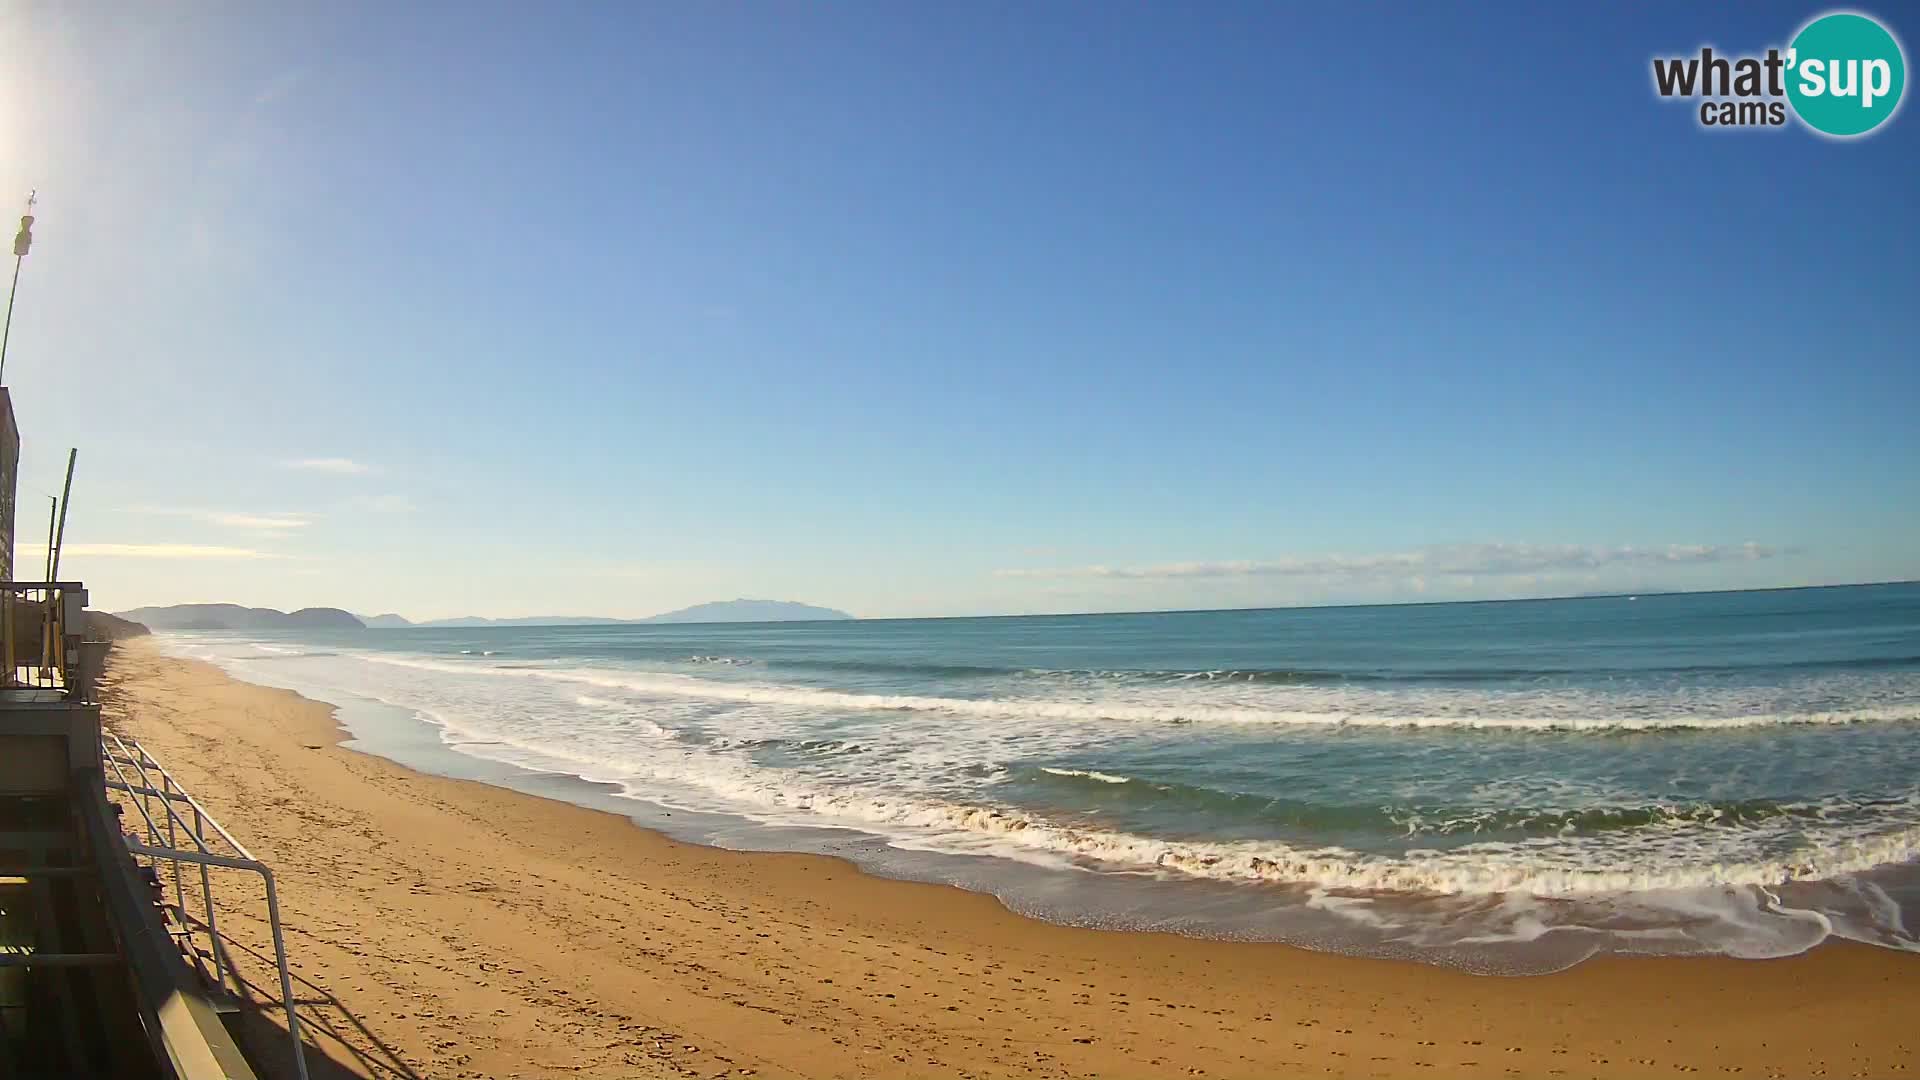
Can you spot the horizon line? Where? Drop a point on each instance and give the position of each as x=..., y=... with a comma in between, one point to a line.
x=623, y=619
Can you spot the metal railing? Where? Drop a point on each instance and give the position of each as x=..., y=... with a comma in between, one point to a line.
x=41, y=625
x=165, y=844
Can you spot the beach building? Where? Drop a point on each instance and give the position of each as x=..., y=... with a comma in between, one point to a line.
x=110, y=962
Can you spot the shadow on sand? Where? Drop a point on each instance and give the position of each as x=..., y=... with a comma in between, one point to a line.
x=261, y=1029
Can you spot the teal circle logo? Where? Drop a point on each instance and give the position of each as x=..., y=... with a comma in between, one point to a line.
x=1845, y=74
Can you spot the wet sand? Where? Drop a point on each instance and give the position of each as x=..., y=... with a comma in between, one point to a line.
x=445, y=928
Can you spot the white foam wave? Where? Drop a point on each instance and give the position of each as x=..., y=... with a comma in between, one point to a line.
x=1564, y=869
x=634, y=719
x=1088, y=774
x=1162, y=708
x=1477, y=871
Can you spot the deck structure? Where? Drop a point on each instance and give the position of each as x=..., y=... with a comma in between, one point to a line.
x=110, y=959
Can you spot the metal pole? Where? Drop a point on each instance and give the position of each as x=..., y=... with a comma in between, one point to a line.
x=179, y=900
x=220, y=962
x=53, y=509
x=21, y=242
x=60, y=535
x=8, y=332
x=286, y=978
x=46, y=621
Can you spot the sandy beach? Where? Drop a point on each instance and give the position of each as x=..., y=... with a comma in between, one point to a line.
x=445, y=928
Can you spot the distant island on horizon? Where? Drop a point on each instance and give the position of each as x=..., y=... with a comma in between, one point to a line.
x=236, y=617
x=741, y=610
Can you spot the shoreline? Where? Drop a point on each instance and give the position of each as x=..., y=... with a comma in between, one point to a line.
x=478, y=930
x=1506, y=912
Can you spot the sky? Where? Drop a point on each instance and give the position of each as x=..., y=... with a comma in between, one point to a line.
x=944, y=309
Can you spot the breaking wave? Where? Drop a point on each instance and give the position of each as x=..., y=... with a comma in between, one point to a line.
x=1553, y=711
x=1577, y=866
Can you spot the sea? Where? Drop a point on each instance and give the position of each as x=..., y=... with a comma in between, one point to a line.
x=1504, y=787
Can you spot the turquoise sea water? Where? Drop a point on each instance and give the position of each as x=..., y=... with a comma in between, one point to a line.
x=1508, y=786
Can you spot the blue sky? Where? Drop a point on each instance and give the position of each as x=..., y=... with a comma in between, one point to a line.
x=919, y=309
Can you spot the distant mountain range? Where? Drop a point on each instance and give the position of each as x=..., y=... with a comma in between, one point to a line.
x=717, y=611
x=235, y=617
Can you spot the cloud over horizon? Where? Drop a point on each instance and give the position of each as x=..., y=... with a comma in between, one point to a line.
x=1458, y=560
x=158, y=551
x=337, y=465
x=270, y=522
x=390, y=503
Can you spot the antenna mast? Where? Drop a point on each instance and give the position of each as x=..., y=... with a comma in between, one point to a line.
x=22, y=241
x=52, y=511
x=60, y=534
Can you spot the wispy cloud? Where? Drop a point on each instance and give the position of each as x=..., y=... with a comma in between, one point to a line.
x=339, y=465
x=159, y=551
x=381, y=504
x=278, y=87
x=267, y=522
x=262, y=522
x=1477, y=560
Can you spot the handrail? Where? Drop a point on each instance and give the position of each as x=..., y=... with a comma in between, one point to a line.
x=169, y=792
x=221, y=962
x=180, y=790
